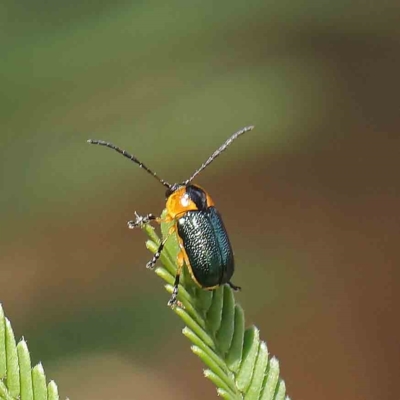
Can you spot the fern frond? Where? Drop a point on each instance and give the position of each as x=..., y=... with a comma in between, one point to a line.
x=236, y=359
x=18, y=380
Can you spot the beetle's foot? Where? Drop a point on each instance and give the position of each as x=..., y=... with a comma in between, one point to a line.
x=173, y=302
x=140, y=220
x=234, y=287
x=151, y=264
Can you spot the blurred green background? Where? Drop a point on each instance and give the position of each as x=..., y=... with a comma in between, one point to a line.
x=310, y=197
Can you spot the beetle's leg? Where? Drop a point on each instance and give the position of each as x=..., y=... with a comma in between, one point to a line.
x=145, y=219
x=180, y=261
x=234, y=287
x=157, y=254
x=142, y=220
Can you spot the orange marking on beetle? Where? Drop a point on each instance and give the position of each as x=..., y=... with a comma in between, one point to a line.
x=179, y=203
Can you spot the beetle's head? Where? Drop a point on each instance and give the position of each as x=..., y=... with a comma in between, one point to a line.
x=173, y=188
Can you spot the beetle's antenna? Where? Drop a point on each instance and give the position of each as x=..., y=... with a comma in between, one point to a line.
x=130, y=157
x=219, y=151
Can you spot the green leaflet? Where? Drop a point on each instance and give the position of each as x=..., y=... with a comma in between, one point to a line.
x=236, y=359
x=18, y=381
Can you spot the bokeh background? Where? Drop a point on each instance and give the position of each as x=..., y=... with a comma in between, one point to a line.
x=310, y=197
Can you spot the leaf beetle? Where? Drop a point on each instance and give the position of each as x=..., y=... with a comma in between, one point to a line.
x=204, y=243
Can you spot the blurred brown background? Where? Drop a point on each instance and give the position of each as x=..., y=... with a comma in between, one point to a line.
x=310, y=197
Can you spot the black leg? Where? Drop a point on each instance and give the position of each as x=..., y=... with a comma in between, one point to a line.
x=172, y=301
x=157, y=255
x=234, y=287
x=141, y=220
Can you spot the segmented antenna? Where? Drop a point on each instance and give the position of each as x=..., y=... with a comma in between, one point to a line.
x=218, y=152
x=130, y=157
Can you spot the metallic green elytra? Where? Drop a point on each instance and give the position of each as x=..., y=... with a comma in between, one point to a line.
x=206, y=243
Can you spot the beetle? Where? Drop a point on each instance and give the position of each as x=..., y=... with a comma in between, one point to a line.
x=203, y=240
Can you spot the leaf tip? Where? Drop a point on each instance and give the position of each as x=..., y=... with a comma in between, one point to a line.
x=274, y=363
x=23, y=345
x=52, y=390
x=39, y=368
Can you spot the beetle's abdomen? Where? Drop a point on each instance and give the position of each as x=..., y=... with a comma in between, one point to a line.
x=207, y=246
